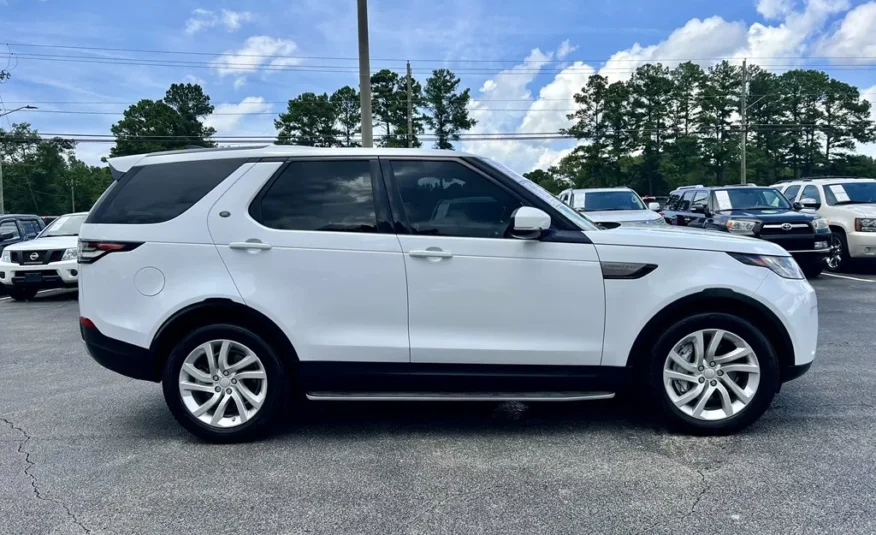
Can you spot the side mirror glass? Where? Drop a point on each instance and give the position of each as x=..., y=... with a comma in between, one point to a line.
x=529, y=223
x=797, y=205
x=654, y=206
x=810, y=203
x=6, y=236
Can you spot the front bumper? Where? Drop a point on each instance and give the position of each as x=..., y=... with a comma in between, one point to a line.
x=121, y=357
x=53, y=275
x=795, y=304
x=861, y=244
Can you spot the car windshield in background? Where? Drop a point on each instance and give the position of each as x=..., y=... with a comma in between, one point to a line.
x=600, y=201
x=750, y=199
x=850, y=193
x=67, y=225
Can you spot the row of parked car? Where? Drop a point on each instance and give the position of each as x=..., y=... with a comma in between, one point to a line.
x=823, y=222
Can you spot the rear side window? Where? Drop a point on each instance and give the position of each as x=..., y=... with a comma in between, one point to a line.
x=161, y=192
x=791, y=192
x=333, y=195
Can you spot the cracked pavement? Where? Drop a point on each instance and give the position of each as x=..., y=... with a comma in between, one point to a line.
x=83, y=450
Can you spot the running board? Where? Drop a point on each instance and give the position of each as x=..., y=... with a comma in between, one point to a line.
x=458, y=396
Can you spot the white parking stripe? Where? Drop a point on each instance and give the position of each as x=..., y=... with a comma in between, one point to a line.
x=845, y=277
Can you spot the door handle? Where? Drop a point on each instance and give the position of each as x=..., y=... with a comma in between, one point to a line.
x=430, y=253
x=249, y=245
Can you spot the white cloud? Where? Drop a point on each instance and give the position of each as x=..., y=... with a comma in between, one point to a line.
x=239, y=82
x=204, y=18
x=869, y=149
x=789, y=39
x=855, y=37
x=227, y=118
x=565, y=49
x=192, y=79
x=257, y=52
x=774, y=9
x=555, y=100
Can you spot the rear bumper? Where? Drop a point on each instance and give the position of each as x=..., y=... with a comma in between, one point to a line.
x=120, y=357
x=794, y=372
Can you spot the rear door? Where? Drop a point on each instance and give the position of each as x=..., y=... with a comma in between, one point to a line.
x=313, y=250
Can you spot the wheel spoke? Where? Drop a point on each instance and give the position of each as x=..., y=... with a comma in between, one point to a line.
x=736, y=389
x=220, y=410
x=690, y=395
x=669, y=374
x=250, y=375
x=699, y=348
x=726, y=402
x=742, y=368
x=701, y=404
x=211, y=357
x=246, y=393
x=196, y=373
x=196, y=387
x=209, y=404
x=243, y=363
x=223, y=354
x=678, y=359
x=736, y=354
x=241, y=406
x=713, y=345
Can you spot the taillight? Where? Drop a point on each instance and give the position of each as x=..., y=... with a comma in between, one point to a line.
x=91, y=251
x=87, y=323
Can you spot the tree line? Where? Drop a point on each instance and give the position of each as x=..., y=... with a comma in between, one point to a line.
x=665, y=128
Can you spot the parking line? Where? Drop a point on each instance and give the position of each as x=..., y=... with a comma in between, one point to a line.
x=845, y=277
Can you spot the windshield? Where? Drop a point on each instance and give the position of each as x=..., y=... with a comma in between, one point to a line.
x=66, y=225
x=573, y=216
x=600, y=201
x=750, y=199
x=850, y=193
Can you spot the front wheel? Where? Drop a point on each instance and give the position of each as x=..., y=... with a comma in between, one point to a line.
x=224, y=383
x=22, y=294
x=813, y=269
x=839, y=254
x=712, y=374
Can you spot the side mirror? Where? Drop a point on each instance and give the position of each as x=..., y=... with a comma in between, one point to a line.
x=654, y=206
x=810, y=203
x=529, y=223
x=698, y=209
x=6, y=236
x=797, y=206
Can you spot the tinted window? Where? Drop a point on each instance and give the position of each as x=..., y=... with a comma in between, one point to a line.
x=611, y=200
x=161, y=192
x=685, y=201
x=312, y=195
x=701, y=198
x=791, y=192
x=672, y=203
x=31, y=228
x=811, y=192
x=8, y=227
x=449, y=199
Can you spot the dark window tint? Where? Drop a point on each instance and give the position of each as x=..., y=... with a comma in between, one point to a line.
x=672, y=203
x=312, y=195
x=701, y=198
x=9, y=227
x=443, y=198
x=161, y=192
x=31, y=228
x=811, y=192
x=685, y=201
x=791, y=192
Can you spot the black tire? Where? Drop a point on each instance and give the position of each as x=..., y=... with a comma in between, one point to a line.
x=22, y=294
x=843, y=260
x=769, y=375
x=276, y=393
x=813, y=269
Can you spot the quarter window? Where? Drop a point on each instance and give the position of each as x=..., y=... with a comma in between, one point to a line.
x=443, y=198
x=332, y=195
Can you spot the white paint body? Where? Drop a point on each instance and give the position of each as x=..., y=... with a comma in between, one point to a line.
x=342, y=296
x=67, y=270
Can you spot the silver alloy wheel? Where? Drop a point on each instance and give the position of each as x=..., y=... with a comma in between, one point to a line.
x=836, y=253
x=711, y=374
x=223, y=383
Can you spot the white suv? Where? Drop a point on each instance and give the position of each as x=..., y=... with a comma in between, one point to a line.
x=849, y=204
x=612, y=207
x=236, y=276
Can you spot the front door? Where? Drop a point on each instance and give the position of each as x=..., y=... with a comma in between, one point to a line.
x=476, y=296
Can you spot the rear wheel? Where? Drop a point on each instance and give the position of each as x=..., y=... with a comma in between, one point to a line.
x=224, y=383
x=712, y=374
x=22, y=294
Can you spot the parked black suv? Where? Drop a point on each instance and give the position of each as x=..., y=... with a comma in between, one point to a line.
x=16, y=228
x=754, y=211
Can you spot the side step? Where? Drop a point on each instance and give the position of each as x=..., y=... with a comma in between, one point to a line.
x=458, y=396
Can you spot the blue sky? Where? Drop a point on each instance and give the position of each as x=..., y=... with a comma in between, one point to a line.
x=523, y=60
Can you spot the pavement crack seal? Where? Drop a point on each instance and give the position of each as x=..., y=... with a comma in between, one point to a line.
x=703, y=491
x=33, y=480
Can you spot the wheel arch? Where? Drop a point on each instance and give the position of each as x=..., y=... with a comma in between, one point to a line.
x=213, y=311
x=714, y=300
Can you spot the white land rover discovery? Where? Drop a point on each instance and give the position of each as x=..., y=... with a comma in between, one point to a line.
x=238, y=276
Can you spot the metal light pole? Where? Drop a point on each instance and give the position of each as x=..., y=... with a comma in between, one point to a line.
x=365, y=75
x=2, y=200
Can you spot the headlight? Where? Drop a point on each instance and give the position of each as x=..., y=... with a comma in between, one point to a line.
x=6, y=257
x=783, y=266
x=865, y=225
x=70, y=254
x=821, y=224
x=741, y=225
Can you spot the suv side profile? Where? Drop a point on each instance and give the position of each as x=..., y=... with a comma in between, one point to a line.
x=849, y=204
x=238, y=276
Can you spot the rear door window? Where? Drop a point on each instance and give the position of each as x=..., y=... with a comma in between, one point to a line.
x=160, y=192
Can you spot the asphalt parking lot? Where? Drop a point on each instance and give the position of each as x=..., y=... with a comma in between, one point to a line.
x=83, y=450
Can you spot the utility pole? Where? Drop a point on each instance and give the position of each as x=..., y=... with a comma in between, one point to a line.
x=744, y=108
x=72, y=196
x=410, y=111
x=365, y=75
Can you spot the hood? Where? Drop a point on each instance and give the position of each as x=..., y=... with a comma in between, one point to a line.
x=860, y=210
x=770, y=215
x=684, y=238
x=622, y=216
x=45, y=244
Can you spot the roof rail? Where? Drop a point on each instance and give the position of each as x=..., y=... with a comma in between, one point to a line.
x=194, y=149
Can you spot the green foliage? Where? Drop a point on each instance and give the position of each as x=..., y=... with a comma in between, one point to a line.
x=170, y=124
x=447, y=107
x=389, y=96
x=310, y=120
x=42, y=176
x=349, y=114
